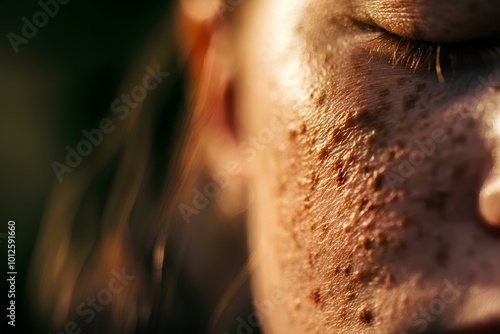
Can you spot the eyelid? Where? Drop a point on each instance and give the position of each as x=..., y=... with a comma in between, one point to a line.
x=442, y=21
x=416, y=55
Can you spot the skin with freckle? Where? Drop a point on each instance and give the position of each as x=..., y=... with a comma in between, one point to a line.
x=365, y=211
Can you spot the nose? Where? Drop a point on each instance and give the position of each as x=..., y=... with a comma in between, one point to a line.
x=489, y=194
x=489, y=198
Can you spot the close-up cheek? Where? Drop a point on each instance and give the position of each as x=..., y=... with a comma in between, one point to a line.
x=371, y=190
x=379, y=178
x=397, y=167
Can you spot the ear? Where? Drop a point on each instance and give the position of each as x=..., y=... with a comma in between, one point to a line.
x=208, y=47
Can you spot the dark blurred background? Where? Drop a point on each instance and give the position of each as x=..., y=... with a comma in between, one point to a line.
x=59, y=83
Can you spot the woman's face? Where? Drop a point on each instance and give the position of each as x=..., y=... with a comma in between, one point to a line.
x=374, y=180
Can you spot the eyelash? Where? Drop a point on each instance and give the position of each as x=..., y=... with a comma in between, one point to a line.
x=449, y=57
x=403, y=51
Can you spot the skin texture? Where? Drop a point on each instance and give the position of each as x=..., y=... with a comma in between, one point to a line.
x=438, y=21
x=375, y=204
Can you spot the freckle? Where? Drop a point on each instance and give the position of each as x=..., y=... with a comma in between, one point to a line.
x=378, y=182
x=409, y=101
x=324, y=229
x=350, y=296
x=347, y=270
x=366, y=316
x=303, y=128
x=307, y=204
x=321, y=99
x=403, y=80
x=366, y=243
x=316, y=296
x=364, y=276
x=314, y=181
x=420, y=87
x=342, y=313
x=328, y=57
x=471, y=252
x=369, y=119
x=324, y=153
x=292, y=133
x=347, y=228
x=384, y=93
x=338, y=135
x=367, y=169
x=311, y=260
x=340, y=178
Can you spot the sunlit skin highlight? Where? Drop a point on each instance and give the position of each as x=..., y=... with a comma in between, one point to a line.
x=377, y=192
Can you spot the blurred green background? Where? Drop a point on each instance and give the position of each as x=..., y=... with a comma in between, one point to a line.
x=59, y=83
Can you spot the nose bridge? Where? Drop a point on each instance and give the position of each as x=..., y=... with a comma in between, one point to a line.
x=487, y=100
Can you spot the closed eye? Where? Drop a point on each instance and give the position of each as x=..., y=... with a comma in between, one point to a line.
x=440, y=57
